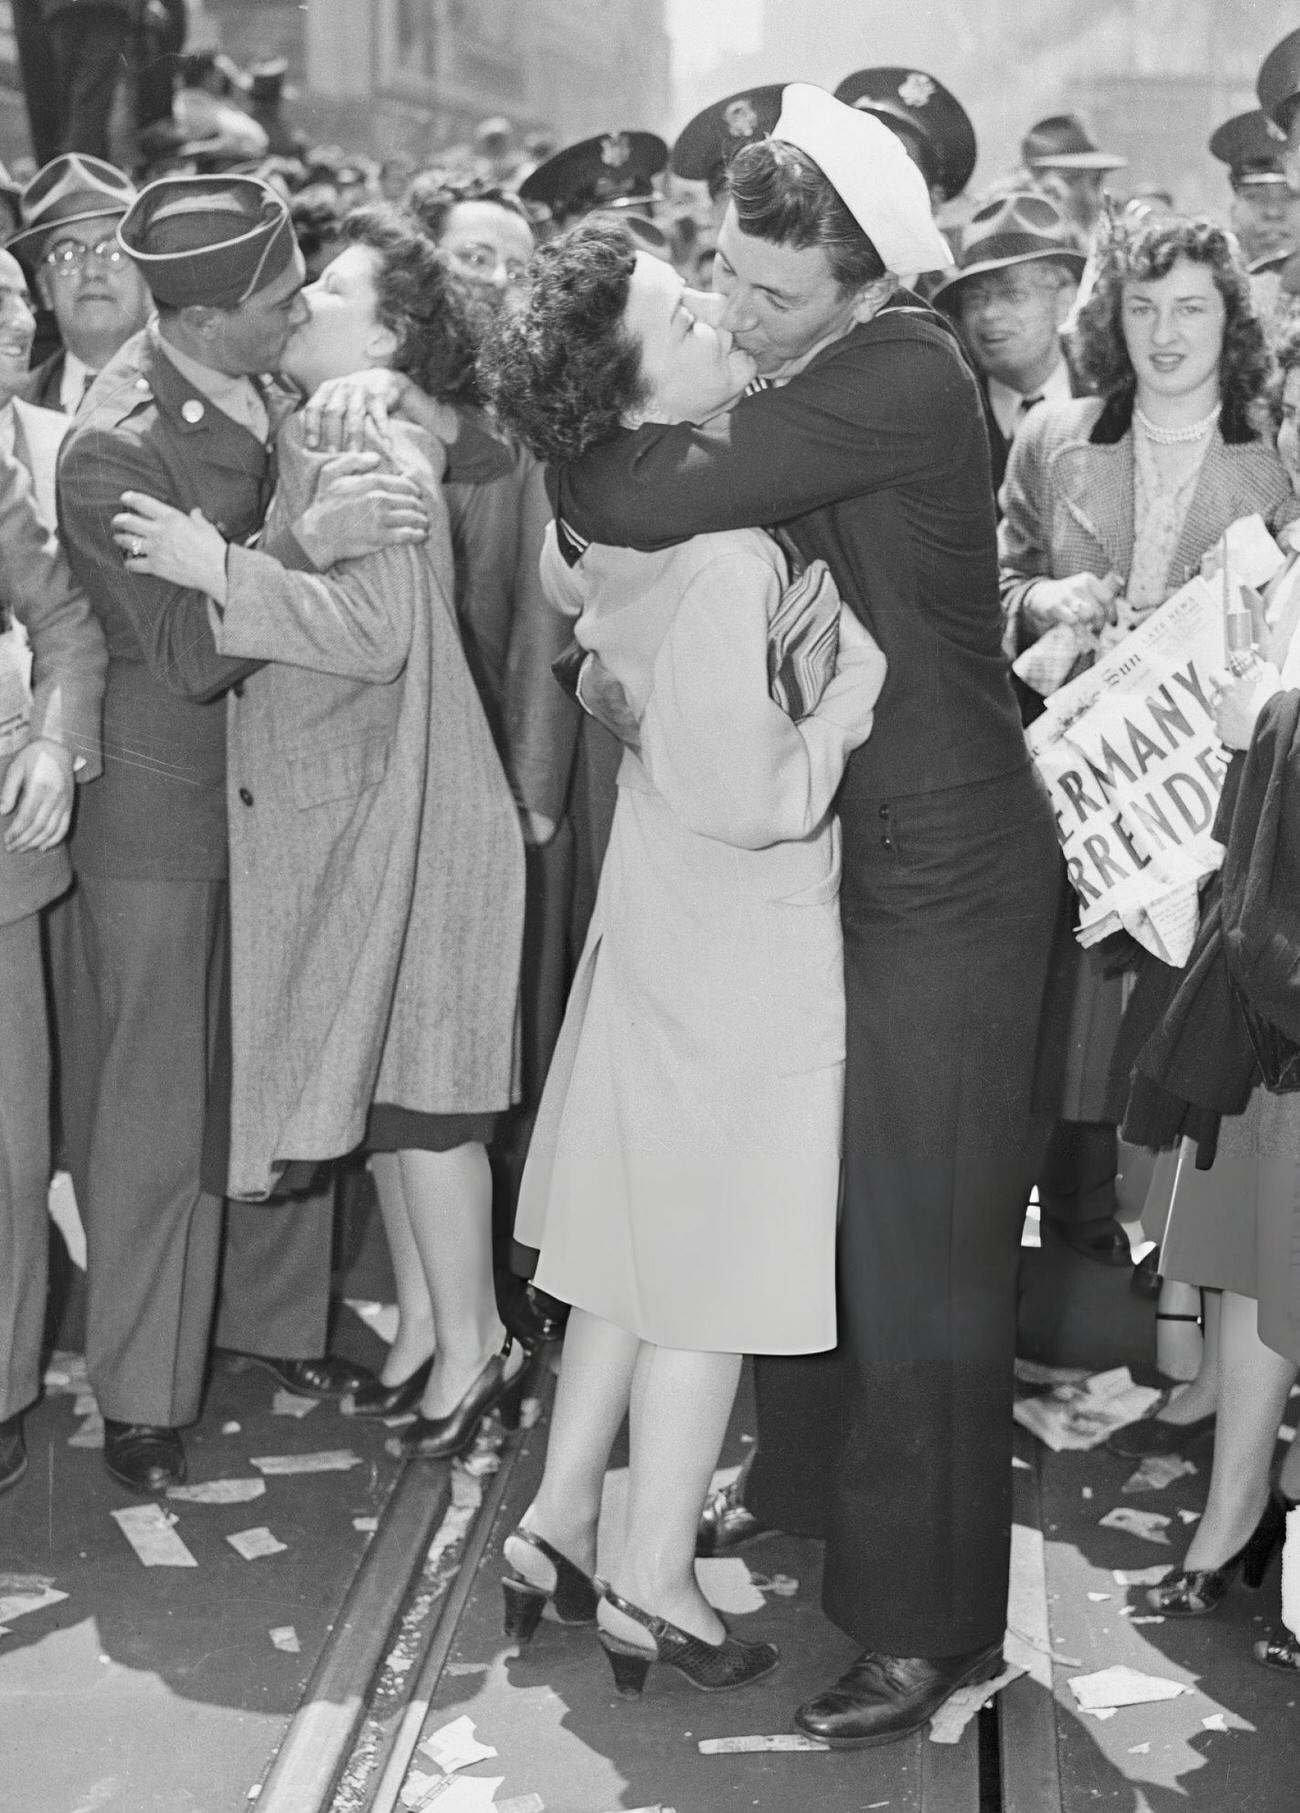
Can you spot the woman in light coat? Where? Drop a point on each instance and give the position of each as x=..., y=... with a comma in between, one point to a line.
x=376, y=856
x=683, y=1178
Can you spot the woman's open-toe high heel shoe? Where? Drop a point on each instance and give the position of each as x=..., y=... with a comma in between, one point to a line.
x=712, y=1667
x=573, y=1597
x=378, y=1399
x=443, y=1437
x=1197, y=1591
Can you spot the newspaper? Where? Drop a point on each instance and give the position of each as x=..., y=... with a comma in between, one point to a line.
x=15, y=690
x=1134, y=768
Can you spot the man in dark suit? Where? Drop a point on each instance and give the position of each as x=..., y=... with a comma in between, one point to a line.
x=68, y=240
x=177, y=414
x=868, y=445
x=1017, y=276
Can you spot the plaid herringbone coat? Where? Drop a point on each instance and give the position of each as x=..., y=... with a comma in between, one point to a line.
x=1068, y=508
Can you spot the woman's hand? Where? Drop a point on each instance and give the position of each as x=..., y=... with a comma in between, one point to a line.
x=358, y=510
x=39, y=784
x=1083, y=601
x=157, y=539
x=1239, y=699
x=344, y=412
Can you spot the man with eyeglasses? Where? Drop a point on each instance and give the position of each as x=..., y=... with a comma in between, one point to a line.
x=70, y=212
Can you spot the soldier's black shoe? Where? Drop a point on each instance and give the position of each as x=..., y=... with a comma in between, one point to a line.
x=882, y=1697
x=143, y=1456
x=13, y=1452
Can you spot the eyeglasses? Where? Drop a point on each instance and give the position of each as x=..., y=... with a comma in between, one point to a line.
x=69, y=255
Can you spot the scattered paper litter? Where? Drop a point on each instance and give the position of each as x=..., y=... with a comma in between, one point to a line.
x=148, y=1529
x=1217, y=1721
x=1082, y=1415
x=959, y=1709
x=367, y=1525
x=746, y=1746
x=466, y=1668
x=285, y=1637
x=1120, y=1685
x=451, y=1793
x=66, y=1372
x=1150, y=1618
x=1028, y=1641
x=330, y=1460
x=522, y=1803
x=1017, y=1465
x=85, y=1404
x=1101, y=1712
x=90, y=1433
x=1157, y=1472
x=1099, y=1598
x=218, y=1492
x=1190, y=1516
x=256, y=1543
x=382, y=1317
x=1149, y=1525
x=455, y=1746
x=1140, y=1576
x=1033, y=1372
x=781, y=1586
x=230, y=1428
x=726, y=1584
x=1086, y=1492
x=22, y=1594
x=482, y=1462
x=530, y=1411
x=466, y=1490
x=1139, y=1749
x=288, y=1403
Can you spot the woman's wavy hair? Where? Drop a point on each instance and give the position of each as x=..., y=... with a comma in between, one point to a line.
x=419, y=300
x=1148, y=252
x=1286, y=356
x=561, y=369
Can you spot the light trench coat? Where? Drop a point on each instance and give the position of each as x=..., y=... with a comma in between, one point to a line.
x=683, y=1178
x=376, y=860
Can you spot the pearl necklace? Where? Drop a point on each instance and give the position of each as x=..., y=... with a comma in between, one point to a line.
x=1173, y=437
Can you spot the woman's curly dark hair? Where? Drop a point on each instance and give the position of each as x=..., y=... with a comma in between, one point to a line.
x=1286, y=355
x=419, y=300
x=561, y=369
x=1150, y=252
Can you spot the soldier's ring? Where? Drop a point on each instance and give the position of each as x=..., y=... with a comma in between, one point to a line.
x=137, y=548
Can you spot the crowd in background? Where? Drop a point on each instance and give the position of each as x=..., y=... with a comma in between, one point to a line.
x=261, y=402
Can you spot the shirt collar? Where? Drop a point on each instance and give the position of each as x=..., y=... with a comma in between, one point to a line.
x=1005, y=402
x=236, y=397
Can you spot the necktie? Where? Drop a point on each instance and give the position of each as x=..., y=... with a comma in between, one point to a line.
x=1026, y=404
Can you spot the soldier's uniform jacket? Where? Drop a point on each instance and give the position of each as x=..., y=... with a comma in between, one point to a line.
x=160, y=811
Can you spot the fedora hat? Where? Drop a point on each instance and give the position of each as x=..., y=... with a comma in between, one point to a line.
x=1063, y=142
x=1021, y=228
x=69, y=188
x=910, y=99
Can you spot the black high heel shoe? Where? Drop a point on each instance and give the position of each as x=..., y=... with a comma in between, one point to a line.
x=443, y=1437
x=712, y=1667
x=1197, y=1591
x=574, y=1596
x=378, y=1399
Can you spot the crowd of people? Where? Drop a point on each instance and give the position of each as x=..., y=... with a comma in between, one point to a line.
x=509, y=677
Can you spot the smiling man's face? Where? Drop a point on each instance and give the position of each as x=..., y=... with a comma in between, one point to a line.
x=17, y=326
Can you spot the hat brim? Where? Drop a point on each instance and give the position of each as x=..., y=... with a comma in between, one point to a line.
x=30, y=234
x=1078, y=160
x=1061, y=255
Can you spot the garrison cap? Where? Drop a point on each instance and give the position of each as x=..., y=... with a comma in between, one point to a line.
x=1252, y=152
x=70, y=187
x=208, y=239
x=924, y=109
x=1278, y=81
x=1021, y=228
x=707, y=144
x=612, y=170
x=1063, y=142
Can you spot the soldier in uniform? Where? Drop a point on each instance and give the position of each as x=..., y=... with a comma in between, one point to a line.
x=1264, y=215
x=1278, y=88
x=177, y=414
x=934, y=127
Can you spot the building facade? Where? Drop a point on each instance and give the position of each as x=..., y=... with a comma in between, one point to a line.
x=417, y=75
